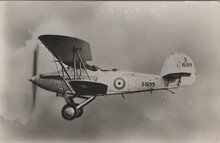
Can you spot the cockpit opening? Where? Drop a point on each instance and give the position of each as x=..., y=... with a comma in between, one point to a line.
x=95, y=68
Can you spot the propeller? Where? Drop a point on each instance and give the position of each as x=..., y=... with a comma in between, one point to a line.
x=34, y=87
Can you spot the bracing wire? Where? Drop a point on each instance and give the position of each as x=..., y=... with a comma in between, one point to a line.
x=58, y=71
x=56, y=65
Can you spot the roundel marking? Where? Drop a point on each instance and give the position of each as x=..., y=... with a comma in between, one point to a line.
x=119, y=83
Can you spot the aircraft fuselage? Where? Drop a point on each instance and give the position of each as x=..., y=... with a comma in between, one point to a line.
x=118, y=82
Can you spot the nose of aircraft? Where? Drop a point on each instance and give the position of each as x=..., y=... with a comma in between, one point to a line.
x=33, y=79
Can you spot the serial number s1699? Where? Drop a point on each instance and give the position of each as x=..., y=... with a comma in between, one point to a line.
x=148, y=84
x=187, y=64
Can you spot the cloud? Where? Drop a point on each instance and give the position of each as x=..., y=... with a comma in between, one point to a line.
x=136, y=36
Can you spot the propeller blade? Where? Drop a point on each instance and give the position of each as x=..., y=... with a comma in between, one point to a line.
x=34, y=87
x=35, y=61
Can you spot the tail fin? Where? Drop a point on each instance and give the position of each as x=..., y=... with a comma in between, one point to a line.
x=178, y=70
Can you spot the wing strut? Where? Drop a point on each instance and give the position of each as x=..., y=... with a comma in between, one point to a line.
x=75, y=54
x=81, y=62
x=62, y=65
x=74, y=63
x=67, y=84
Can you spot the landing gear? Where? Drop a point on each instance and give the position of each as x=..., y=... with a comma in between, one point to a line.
x=74, y=110
x=69, y=112
x=80, y=112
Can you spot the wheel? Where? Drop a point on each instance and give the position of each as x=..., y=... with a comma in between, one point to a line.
x=80, y=112
x=69, y=112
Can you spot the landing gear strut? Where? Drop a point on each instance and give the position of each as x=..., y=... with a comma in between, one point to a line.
x=80, y=112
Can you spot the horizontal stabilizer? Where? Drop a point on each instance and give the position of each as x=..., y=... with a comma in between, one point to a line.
x=88, y=87
x=174, y=76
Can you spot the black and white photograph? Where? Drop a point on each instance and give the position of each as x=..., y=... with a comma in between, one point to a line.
x=110, y=71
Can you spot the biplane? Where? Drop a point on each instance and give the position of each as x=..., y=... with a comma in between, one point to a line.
x=75, y=79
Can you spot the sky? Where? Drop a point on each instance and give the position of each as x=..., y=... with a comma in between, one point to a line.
x=130, y=36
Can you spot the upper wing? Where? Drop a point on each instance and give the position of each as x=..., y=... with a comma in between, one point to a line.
x=63, y=46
